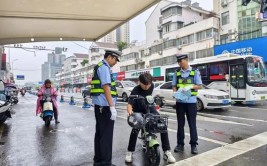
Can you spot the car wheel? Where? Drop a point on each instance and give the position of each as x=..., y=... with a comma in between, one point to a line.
x=124, y=97
x=200, y=106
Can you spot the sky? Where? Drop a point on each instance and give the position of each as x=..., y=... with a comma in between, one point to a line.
x=29, y=64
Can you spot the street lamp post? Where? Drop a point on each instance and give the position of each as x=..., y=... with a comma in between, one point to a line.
x=13, y=68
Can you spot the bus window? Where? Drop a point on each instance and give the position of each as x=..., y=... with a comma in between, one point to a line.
x=218, y=71
x=203, y=70
x=169, y=73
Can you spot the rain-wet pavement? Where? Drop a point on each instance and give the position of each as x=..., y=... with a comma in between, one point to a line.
x=26, y=141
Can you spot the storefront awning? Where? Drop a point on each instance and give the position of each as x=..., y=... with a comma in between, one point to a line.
x=67, y=20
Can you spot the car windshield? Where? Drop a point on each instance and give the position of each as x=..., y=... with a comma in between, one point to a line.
x=256, y=70
x=129, y=84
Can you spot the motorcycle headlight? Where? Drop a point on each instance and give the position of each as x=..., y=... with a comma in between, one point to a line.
x=48, y=99
x=211, y=97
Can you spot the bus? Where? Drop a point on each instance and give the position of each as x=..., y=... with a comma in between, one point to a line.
x=242, y=76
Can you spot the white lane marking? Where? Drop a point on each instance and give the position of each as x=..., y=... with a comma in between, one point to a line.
x=209, y=119
x=215, y=120
x=252, y=108
x=202, y=138
x=233, y=111
x=221, y=154
x=233, y=117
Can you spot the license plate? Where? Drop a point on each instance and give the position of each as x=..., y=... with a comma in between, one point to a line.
x=225, y=101
x=262, y=97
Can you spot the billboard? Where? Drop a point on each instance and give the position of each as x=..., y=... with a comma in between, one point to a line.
x=257, y=46
x=20, y=77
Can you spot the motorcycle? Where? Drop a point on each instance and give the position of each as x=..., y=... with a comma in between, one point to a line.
x=47, y=110
x=11, y=94
x=151, y=124
x=5, y=110
x=22, y=92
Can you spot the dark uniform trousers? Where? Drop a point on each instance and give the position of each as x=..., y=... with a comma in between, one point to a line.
x=190, y=110
x=134, y=134
x=103, y=136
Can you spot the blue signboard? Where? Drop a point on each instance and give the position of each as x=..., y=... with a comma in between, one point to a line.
x=257, y=46
x=20, y=77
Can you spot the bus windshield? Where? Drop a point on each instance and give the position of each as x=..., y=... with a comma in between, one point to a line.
x=256, y=70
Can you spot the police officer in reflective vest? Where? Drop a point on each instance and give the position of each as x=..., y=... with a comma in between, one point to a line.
x=188, y=79
x=104, y=95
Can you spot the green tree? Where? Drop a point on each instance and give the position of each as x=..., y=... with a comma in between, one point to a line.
x=84, y=62
x=121, y=45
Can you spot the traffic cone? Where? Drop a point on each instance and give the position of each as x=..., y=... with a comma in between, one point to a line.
x=62, y=99
x=72, y=101
x=85, y=103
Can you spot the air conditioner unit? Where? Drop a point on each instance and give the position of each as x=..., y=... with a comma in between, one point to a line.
x=224, y=3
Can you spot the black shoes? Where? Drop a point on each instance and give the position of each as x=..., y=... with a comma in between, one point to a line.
x=179, y=148
x=194, y=149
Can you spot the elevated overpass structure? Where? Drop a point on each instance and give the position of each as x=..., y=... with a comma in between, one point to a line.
x=23, y=21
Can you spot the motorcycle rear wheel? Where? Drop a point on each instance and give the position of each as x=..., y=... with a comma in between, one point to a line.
x=47, y=121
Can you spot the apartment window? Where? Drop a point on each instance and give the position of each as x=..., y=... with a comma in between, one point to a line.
x=180, y=25
x=142, y=53
x=225, y=18
x=95, y=50
x=166, y=28
x=191, y=38
x=163, y=61
x=224, y=39
x=201, y=35
x=132, y=55
x=169, y=43
x=204, y=53
x=209, y=33
x=171, y=11
x=191, y=56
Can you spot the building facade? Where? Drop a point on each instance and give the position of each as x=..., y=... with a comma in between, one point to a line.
x=52, y=66
x=173, y=28
x=121, y=34
x=239, y=22
x=74, y=74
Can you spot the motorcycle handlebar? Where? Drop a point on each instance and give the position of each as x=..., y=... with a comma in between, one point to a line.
x=136, y=96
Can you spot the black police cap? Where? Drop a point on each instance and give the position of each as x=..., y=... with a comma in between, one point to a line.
x=181, y=56
x=113, y=53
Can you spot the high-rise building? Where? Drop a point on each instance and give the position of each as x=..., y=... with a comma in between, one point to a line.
x=109, y=38
x=52, y=66
x=121, y=34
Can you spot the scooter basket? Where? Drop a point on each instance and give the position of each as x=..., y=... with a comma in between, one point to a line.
x=156, y=123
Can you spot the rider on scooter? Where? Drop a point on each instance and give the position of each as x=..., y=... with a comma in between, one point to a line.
x=47, y=89
x=145, y=88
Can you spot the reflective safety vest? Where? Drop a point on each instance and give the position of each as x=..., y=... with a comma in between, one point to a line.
x=186, y=81
x=96, y=88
